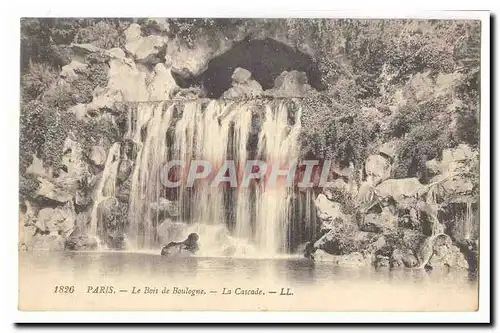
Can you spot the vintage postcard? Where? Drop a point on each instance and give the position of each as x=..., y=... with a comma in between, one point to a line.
x=258, y=164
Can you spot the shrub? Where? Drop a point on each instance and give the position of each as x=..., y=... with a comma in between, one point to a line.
x=101, y=34
x=38, y=78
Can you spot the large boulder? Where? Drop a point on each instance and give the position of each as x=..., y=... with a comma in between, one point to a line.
x=399, y=189
x=59, y=220
x=149, y=50
x=351, y=260
x=162, y=85
x=445, y=255
x=80, y=241
x=81, y=51
x=71, y=70
x=75, y=169
x=345, y=241
x=98, y=155
x=241, y=75
x=328, y=210
x=125, y=76
x=404, y=248
x=112, y=216
x=290, y=84
x=389, y=148
x=53, y=191
x=242, y=85
x=384, y=222
x=378, y=169
x=104, y=100
x=451, y=183
x=403, y=257
x=455, y=187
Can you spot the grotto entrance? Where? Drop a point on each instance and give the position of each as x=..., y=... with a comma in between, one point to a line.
x=266, y=59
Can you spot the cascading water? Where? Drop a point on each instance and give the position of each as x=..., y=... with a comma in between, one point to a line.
x=146, y=183
x=106, y=187
x=278, y=147
x=214, y=131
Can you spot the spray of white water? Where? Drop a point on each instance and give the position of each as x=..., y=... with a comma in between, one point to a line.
x=146, y=183
x=278, y=147
x=213, y=131
x=106, y=186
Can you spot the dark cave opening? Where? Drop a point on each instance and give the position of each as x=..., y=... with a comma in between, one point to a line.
x=266, y=59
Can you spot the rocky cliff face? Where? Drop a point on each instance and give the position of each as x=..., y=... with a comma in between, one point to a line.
x=402, y=222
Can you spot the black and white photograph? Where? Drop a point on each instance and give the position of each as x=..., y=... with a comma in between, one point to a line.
x=250, y=164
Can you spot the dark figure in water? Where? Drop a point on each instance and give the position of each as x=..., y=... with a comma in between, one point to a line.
x=190, y=245
x=309, y=251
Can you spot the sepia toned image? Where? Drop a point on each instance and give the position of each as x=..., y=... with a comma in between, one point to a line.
x=304, y=164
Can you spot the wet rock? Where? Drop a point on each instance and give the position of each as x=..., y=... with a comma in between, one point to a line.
x=190, y=93
x=187, y=247
x=80, y=241
x=453, y=159
x=112, y=216
x=290, y=84
x=469, y=249
x=403, y=258
x=125, y=169
x=123, y=191
x=170, y=208
x=345, y=241
x=116, y=240
x=381, y=261
x=446, y=255
x=46, y=242
x=377, y=169
x=351, y=260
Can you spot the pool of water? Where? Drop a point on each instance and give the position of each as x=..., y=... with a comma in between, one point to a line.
x=148, y=281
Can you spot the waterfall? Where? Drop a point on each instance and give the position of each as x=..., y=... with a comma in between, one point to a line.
x=468, y=221
x=278, y=147
x=146, y=186
x=214, y=131
x=106, y=186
